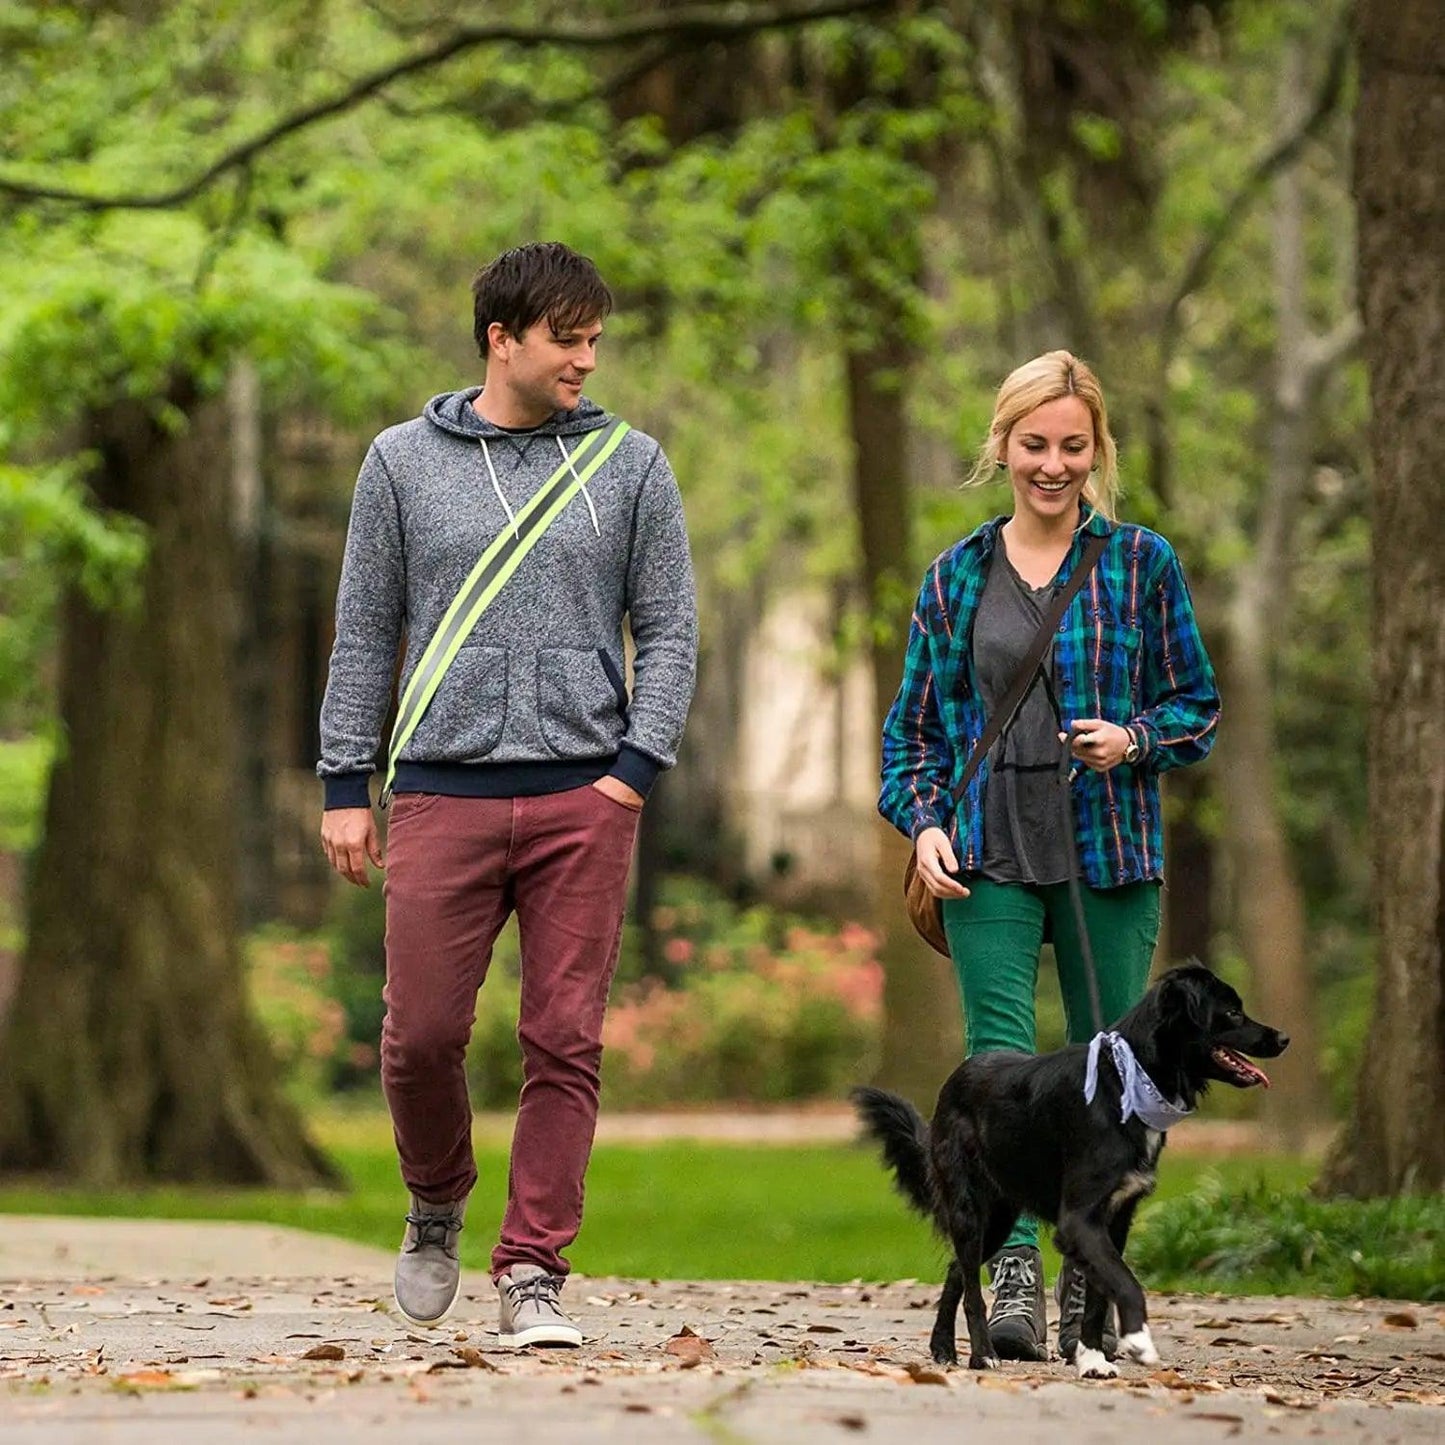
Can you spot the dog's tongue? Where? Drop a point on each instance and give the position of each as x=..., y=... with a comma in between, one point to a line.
x=1246, y=1067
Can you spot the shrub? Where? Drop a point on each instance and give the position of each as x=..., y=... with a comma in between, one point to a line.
x=290, y=975
x=765, y=1009
x=759, y=1006
x=1291, y=1243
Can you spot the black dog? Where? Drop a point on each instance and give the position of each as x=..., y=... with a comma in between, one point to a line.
x=1014, y=1132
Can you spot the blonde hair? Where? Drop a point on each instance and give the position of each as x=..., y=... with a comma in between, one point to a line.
x=1044, y=379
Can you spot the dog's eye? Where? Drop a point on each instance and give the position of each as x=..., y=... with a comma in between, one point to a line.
x=1235, y=1016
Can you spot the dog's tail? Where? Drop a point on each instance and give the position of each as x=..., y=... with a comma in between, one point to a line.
x=903, y=1133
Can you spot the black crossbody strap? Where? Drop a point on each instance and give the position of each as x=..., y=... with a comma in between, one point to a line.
x=1012, y=700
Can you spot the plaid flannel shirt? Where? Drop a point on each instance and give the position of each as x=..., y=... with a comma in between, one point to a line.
x=1128, y=650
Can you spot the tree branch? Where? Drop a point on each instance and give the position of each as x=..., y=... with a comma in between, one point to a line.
x=1323, y=353
x=694, y=25
x=1280, y=155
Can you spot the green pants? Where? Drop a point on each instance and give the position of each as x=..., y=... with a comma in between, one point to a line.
x=995, y=935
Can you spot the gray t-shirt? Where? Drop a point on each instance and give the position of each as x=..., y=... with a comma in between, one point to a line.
x=1023, y=840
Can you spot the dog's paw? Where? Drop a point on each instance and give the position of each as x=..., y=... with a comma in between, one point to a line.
x=1139, y=1347
x=1092, y=1365
x=943, y=1356
x=984, y=1362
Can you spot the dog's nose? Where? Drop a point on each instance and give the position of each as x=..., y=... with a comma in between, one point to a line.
x=1283, y=1042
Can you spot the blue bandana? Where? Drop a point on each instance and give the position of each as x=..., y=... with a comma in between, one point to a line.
x=1141, y=1096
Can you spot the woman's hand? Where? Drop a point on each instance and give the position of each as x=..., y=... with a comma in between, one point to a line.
x=937, y=865
x=1098, y=744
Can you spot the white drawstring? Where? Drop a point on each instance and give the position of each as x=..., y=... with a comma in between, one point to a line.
x=497, y=487
x=586, y=495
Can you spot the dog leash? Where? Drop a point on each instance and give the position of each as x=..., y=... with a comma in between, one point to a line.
x=1076, y=891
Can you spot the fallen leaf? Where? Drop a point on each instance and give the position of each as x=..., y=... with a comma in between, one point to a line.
x=325, y=1352
x=1397, y=1319
x=474, y=1359
x=688, y=1348
x=988, y=1381
x=922, y=1375
x=1217, y=1415
x=1171, y=1380
x=1291, y=1402
x=148, y=1380
x=825, y=1330
x=851, y=1422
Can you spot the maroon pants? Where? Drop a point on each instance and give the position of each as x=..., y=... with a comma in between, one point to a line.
x=456, y=868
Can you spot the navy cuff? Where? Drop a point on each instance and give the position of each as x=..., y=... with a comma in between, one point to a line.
x=347, y=790
x=635, y=769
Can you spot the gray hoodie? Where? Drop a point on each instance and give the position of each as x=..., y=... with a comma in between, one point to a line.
x=535, y=701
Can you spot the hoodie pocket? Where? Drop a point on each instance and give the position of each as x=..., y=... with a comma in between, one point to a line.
x=465, y=719
x=579, y=702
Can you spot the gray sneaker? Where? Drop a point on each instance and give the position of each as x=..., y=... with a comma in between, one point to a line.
x=1018, y=1325
x=428, y=1271
x=531, y=1311
x=1069, y=1292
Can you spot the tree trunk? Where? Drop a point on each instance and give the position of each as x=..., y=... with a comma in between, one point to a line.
x=1189, y=847
x=132, y=1054
x=1395, y=1141
x=1269, y=902
x=1268, y=905
x=921, y=1031
x=255, y=649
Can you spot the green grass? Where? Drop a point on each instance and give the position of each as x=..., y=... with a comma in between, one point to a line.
x=1289, y=1243
x=676, y=1210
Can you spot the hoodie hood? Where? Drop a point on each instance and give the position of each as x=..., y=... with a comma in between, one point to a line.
x=452, y=411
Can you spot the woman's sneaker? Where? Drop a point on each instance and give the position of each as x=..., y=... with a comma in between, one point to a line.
x=429, y=1270
x=1018, y=1325
x=532, y=1313
x=1069, y=1292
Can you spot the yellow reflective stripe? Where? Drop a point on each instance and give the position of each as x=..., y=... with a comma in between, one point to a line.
x=485, y=581
x=499, y=543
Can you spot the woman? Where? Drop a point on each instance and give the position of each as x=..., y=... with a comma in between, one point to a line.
x=1125, y=684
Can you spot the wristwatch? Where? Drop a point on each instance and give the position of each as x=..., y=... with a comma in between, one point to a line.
x=1131, y=753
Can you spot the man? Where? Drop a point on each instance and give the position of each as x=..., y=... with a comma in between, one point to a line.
x=520, y=763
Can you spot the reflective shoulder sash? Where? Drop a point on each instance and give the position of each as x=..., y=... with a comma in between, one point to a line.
x=487, y=579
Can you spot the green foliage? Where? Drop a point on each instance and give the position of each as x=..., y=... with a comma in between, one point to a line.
x=24, y=774
x=1290, y=1243
x=667, y=1210
x=288, y=975
x=50, y=537
x=747, y=264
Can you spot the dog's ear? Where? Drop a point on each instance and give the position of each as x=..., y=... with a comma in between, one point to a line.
x=1185, y=997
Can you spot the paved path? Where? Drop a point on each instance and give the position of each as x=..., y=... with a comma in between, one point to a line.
x=131, y=1331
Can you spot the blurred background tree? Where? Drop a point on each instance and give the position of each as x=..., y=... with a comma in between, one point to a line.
x=239, y=245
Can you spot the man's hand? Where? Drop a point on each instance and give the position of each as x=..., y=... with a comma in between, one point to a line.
x=1098, y=744
x=349, y=838
x=937, y=864
x=619, y=792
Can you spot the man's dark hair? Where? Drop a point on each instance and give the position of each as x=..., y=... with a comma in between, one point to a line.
x=529, y=283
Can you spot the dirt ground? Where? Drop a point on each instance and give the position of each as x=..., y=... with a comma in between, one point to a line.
x=135, y=1330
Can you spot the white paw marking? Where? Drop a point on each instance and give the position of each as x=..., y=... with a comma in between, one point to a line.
x=1092, y=1365
x=1140, y=1346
